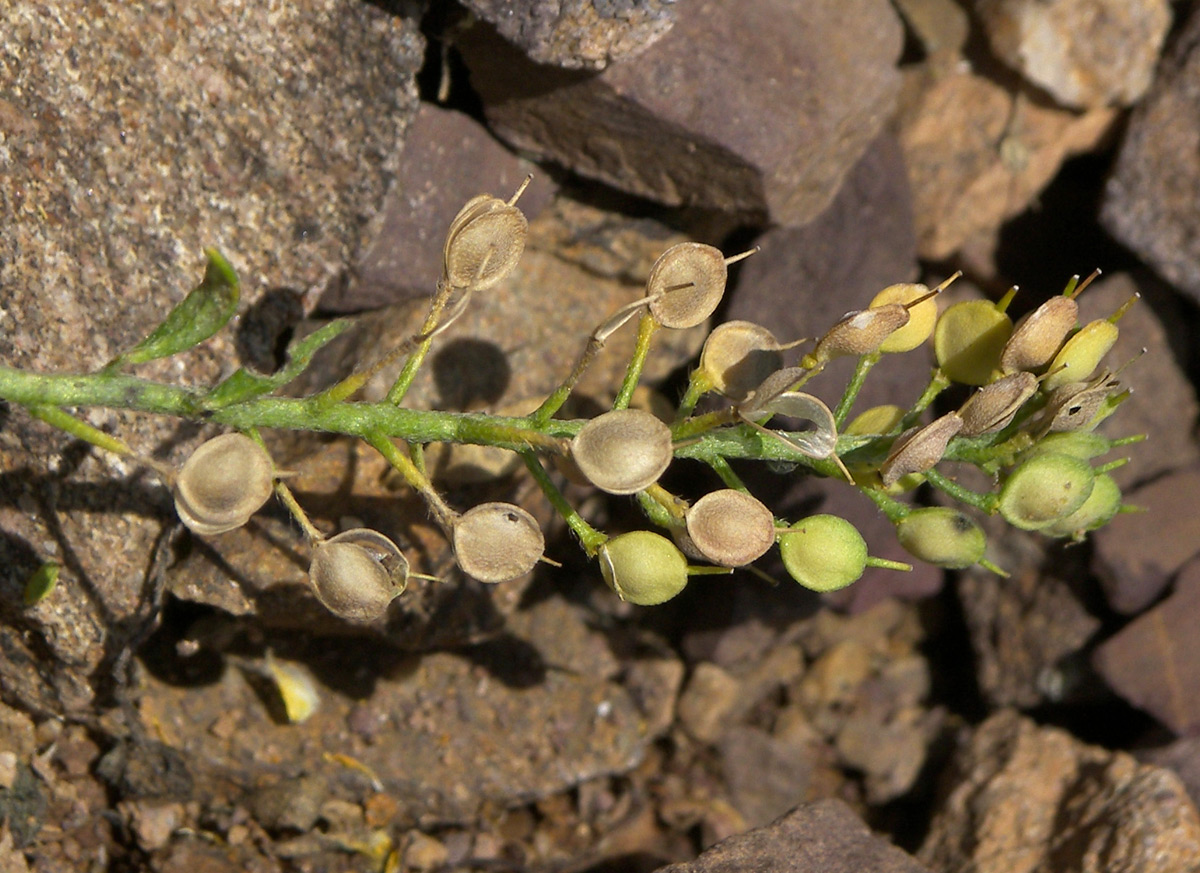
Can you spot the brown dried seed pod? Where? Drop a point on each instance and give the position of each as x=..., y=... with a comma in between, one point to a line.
x=738, y=356
x=484, y=243
x=1038, y=336
x=357, y=573
x=497, y=542
x=730, y=527
x=858, y=333
x=920, y=449
x=993, y=406
x=686, y=283
x=223, y=483
x=623, y=451
x=1074, y=406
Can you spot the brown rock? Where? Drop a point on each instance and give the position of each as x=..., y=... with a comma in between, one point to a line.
x=1154, y=661
x=1182, y=757
x=1086, y=53
x=678, y=124
x=1149, y=202
x=821, y=837
x=1027, y=799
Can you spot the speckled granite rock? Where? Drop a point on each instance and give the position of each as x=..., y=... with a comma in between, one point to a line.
x=133, y=136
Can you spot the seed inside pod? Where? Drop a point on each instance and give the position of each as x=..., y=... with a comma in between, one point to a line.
x=730, y=527
x=643, y=567
x=686, y=283
x=484, y=243
x=497, y=542
x=357, y=573
x=623, y=451
x=738, y=356
x=223, y=483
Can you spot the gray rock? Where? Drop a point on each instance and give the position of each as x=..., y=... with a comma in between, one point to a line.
x=578, y=34
x=1030, y=799
x=1149, y=202
x=757, y=108
x=1085, y=53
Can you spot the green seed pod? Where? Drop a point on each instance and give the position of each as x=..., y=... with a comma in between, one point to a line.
x=497, y=542
x=484, y=243
x=877, y=419
x=993, y=406
x=356, y=574
x=1044, y=489
x=730, y=527
x=858, y=333
x=942, y=536
x=1076, y=443
x=643, y=567
x=1039, y=335
x=1098, y=510
x=920, y=449
x=823, y=552
x=223, y=483
x=921, y=317
x=969, y=339
x=623, y=451
x=686, y=283
x=738, y=356
x=1081, y=355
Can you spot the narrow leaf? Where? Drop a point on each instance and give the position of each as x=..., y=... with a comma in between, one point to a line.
x=41, y=583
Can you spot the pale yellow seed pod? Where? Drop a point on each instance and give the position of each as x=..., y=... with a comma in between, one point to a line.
x=969, y=339
x=993, y=406
x=1039, y=335
x=686, y=284
x=730, y=528
x=921, y=318
x=921, y=448
x=484, y=243
x=623, y=451
x=1081, y=354
x=497, y=542
x=738, y=356
x=224, y=482
x=357, y=573
x=876, y=420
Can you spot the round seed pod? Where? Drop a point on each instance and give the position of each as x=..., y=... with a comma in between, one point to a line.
x=484, y=243
x=357, y=573
x=1083, y=444
x=968, y=340
x=921, y=448
x=993, y=406
x=497, y=542
x=858, y=333
x=877, y=419
x=1098, y=510
x=690, y=277
x=921, y=318
x=730, y=527
x=1081, y=354
x=643, y=567
x=223, y=483
x=1044, y=489
x=942, y=536
x=623, y=451
x=1039, y=335
x=823, y=552
x=738, y=356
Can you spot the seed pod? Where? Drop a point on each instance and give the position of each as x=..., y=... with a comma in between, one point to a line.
x=823, y=552
x=942, y=536
x=1074, y=406
x=1044, y=489
x=643, y=567
x=921, y=317
x=690, y=277
x=771, y=399
x=920, y=449
x=1076, y=443
x=730, y=527
x=484, y=243
x=1039, y=335
x=1098, y=510
x=969, y=339
x=497, y=542
x=223, y=483
x=876, y=420
x=858, y=333
x=738, y=356
x=1081, y=354
x=357, y=573
x=993, y=406
x=623, y=451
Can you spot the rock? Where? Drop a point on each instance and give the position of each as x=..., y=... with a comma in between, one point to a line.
x=978, y=154
x=1154, y=661
x=1086, y=54
x=1024, y=798
x=152, y=822
x=768, y=775
x=247, y=134
x=824, y=836
x=1182, y=757
x=1148, y=202
x=707, y=702
x=291, y=804
x=1132, y=574
x=677, y=124
x=578, y=34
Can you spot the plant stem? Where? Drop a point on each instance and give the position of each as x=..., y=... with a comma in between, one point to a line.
x=405, y=379
x=983, y=502
x=442, y=513
x=646, y=328
x=864, y=366
x=589, y=537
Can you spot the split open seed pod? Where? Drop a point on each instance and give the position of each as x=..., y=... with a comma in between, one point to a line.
x=772, y=398
x=920, y=449
x=823, y=552
x=686, y=283
x=497, y=542
x=738, y=356
x=223, y=483
x=942, y=536
x=993, y=406
x=484, y=243
x=623, y=451
x=643, y=567
x=357, y=573
x=969, y=339
x=730, y=528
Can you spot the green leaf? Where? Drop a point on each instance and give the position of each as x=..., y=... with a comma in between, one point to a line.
x=201, y=314
x=41, y=583
x=244, y=385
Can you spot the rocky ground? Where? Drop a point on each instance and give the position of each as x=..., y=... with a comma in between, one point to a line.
x=913, y=722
